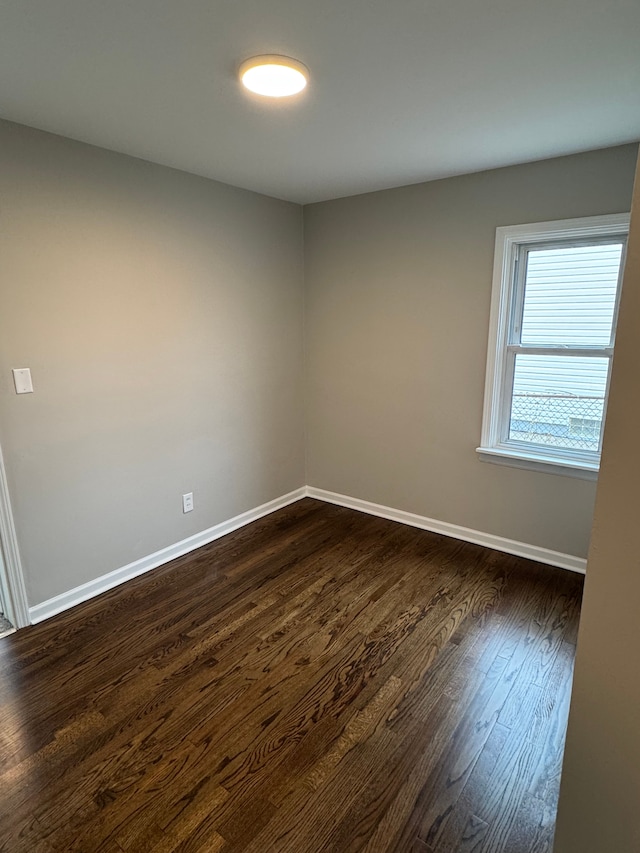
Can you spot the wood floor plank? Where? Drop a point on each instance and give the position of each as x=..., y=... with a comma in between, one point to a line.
x=320, y=680
x=474, y=792
x=517, y=769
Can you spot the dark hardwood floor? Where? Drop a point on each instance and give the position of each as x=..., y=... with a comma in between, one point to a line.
x=320, y=680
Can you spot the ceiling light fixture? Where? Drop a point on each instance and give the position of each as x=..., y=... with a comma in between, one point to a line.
x=274, y=76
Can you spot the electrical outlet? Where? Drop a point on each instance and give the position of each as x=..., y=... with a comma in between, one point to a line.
x=187, y=502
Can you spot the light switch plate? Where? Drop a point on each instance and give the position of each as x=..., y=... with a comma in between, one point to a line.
x=22, y=380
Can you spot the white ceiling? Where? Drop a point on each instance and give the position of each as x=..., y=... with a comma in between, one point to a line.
x=401, y=90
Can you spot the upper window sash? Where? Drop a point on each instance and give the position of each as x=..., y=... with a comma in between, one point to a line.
x=521, y=257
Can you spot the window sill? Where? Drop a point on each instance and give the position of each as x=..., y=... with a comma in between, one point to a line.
x=537, y=462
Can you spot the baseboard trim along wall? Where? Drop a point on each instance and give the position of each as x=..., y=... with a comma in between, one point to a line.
x=489, y=540
x=88, y=590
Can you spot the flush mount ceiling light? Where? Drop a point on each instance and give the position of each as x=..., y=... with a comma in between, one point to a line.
x=274, y=76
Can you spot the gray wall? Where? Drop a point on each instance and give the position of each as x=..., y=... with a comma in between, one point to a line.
x=161, y=316
x=600, y=792
x=162, y=313
x=398, y=288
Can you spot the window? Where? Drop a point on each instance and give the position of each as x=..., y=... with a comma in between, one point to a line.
x=554, y=307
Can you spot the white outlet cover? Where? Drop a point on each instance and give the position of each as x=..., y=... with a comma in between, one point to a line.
x=22, y=380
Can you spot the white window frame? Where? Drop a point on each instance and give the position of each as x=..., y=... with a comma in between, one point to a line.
x=495, y=445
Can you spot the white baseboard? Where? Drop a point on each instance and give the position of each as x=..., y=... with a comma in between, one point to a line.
x=88, y=590
x=489, y=540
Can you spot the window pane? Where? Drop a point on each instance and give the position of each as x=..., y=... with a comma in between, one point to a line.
x=570, y=295
x=558, y=401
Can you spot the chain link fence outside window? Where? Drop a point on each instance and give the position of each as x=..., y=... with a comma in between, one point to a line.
x=557, y=420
